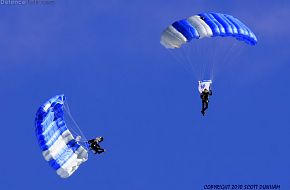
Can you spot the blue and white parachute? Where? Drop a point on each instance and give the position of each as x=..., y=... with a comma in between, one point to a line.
x=206, y=25
x=204, y=58
x=59, y=147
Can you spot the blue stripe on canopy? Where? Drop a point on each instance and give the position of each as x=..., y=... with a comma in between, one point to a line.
x=186, y=29
x=219, y=25
x=213, y=26
x=50, y=122
x=225, y=24
x=64, y=155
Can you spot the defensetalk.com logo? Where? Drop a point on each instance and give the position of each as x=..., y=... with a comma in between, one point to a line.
x=27, y=2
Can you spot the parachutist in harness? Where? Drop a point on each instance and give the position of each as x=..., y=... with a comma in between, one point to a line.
x=94, y=145
x=204, y=97
x=204, y=88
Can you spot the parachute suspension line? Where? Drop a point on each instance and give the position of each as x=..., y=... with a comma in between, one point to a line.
x=190, y=62
x=228, y=53
x=193, y=62
x=206, y=55
x=67, y=109
x=213, y=61
x=71, y=119
x=175, y=56
x=189, y=52
x=227, y=56
x=182, y=58
x=204, y=66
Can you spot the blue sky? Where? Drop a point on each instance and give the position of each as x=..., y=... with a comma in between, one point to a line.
x=122, y=84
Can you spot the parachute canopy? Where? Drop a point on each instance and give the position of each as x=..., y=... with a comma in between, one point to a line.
x=59, y=148
x=206, y=25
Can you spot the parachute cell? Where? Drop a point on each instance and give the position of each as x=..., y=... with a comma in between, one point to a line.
x=59, y=147
x=206, y=25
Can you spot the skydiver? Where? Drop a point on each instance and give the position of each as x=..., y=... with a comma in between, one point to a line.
x=95, y=146
x=204, y=97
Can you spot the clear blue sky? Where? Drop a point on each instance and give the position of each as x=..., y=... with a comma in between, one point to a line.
x=120, y=83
